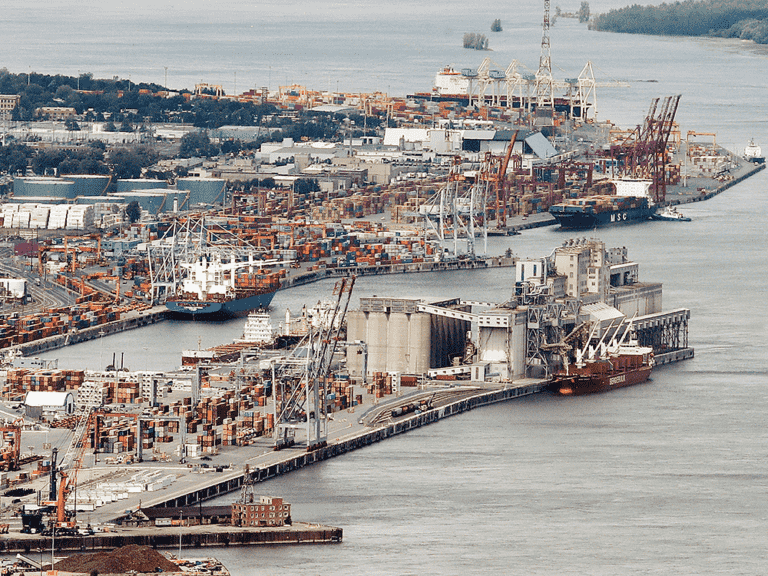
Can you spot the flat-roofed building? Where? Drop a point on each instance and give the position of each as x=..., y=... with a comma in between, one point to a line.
x=268, y=511
x=8, y=102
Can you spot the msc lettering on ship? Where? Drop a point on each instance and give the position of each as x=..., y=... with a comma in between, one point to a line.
x=618, y=217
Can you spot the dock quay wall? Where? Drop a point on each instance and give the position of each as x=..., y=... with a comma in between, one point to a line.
x=192, y=537
x=361, y=439
x=674, y=356
x=399, y=268
x=723, y=187
x=131, y=322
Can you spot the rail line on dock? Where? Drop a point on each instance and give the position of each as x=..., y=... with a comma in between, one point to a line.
x=349, y=443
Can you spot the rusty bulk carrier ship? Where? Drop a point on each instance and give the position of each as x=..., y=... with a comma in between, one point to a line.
x=604, y=367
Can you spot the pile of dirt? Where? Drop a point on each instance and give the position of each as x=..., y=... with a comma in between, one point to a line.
x=126, y=559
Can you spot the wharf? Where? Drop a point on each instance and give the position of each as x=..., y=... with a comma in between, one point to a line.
x=399, y=268
x=677, y=195
x=262, y=463
x=131, y=320
x=200, y=536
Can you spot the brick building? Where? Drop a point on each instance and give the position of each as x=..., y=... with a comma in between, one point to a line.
x=8, y=102
x=267, y=511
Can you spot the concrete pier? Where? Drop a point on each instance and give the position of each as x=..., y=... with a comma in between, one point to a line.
x=270, y=464
x=201, y=536
x=399, y=268
x=130, y=321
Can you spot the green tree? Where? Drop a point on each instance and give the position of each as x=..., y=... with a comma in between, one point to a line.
x=133, y=211
x=197, y=144
x=584, y=12
x=125, y=163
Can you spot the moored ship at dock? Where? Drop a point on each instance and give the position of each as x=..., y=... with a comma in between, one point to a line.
x=214, y=288
x=753, y=153
x=604, y=364
x=628, y=366
x=631, y=203
x=594, y=211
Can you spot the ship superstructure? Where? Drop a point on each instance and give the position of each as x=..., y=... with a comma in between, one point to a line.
x=194, y=276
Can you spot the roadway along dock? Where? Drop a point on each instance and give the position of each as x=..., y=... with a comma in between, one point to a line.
x=190, y=489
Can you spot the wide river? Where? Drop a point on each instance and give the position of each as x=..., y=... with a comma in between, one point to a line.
x=665, y=478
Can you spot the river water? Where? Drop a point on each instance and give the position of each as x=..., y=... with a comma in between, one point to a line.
x=663, y=478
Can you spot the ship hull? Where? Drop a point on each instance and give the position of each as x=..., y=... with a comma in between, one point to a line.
x=201, y=309
x=571, y=219
x=581, y=384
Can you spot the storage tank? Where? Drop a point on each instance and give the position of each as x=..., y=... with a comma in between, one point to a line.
x=98, y=200
x=25, y=187
x=202, y=190
x=129, y=184
x=152, y=201
x=13, y=287
x=90, y=184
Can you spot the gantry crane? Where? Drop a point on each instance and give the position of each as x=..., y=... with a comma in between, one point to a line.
x=501, y=190
x=301, y=380
x=644, y=153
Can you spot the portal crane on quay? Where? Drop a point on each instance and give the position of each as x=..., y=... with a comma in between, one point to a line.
x=300, y=381
x=643, y=154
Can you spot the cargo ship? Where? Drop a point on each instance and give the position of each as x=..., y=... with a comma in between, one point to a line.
x=452, y=85
x=214, y=288
x=629, y=365
x=753, y=153
x=631, y=203
x=601, y=366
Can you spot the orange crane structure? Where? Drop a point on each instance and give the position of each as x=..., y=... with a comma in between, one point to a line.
x=70, y=466
x=501, y=186
x=10, y=448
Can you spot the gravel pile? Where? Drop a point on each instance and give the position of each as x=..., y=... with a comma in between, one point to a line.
x=126, y=559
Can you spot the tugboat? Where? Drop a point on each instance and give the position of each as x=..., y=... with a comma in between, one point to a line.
x=753, y=153
x=670, y=213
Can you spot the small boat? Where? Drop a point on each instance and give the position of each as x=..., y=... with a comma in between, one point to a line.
x=670, y=213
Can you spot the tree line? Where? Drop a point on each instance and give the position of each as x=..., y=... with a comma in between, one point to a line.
x=744, y=19
x=475, y=41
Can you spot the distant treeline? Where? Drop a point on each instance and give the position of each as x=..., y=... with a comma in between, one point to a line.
x=475, y=41
x=745, y=19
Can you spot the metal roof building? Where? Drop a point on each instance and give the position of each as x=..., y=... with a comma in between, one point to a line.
x=38, y=402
